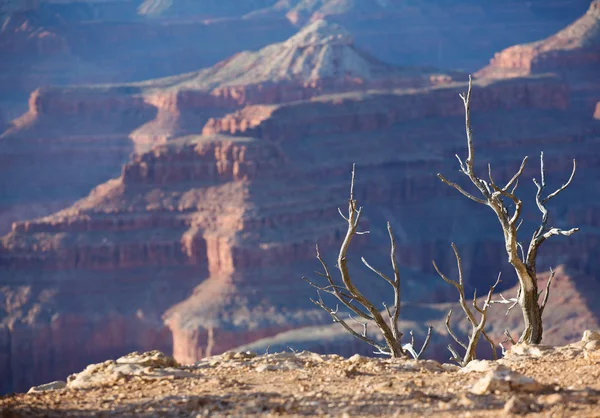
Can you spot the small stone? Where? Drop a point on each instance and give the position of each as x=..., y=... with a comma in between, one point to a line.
x=58, y=384
x=152, y=358
x=383, y=385
x=451, y=367
x=503, y=379
x=264, y=367
x=516, y=405
x=552, y=399
x=357, y=359
x=478, y=366
x=430, y=365
x=351, y=370
x=529, y=350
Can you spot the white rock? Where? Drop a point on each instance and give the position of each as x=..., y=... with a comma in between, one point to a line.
x=451, y=367
x=151, y=358
x=529, y=350
x=479, y=366
x=589, y=335
x=152, y=365
x=58, y=384
x=592, y=345
x=264, y=367
x=503, y=379
x=431, y=365
x=357, y=359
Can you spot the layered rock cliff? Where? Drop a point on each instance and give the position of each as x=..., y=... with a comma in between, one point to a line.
x=97, y=126
x=573, y=52
x=199, y=245
x=219, y=229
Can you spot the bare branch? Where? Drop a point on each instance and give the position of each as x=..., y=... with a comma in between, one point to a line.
x=504, y=301
x=521, y=250
x=477, y=327
x=467, y=102
x=426, y=342
x=548, y=283
x=396, y=285
x=509, y=337
x=564, y=186
x=342, y=215
x=491, y=343
x=460, y=189
x=378, y=272
x=462, y=166
x=515, y=178
x=455, y=357
x=348, y=328
x=364, y=325
x=345, y=298
x=452, y=332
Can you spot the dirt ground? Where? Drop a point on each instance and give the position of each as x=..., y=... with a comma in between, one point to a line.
x=532, y=380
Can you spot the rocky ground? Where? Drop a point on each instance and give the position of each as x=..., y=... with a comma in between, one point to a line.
x=536, y=380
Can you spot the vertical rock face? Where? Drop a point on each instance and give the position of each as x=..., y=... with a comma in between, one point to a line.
x=96, y=127
x=573, y=52
x=380, y=110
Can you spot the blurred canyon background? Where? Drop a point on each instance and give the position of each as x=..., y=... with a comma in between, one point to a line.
x=167, y=167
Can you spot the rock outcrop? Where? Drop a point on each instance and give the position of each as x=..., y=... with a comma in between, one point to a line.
x=573, y=52
x=577, y=47
x=559, y=381
x=98, y=126
x=381, y=110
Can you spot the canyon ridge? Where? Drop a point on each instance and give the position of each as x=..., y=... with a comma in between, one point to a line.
x=210, y=188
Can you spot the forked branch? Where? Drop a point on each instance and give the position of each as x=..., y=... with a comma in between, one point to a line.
x=477, y=326
x=350, y=297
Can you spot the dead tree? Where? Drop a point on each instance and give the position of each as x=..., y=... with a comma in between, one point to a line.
x=349, y=295
x=478, y=327
x=499, y=199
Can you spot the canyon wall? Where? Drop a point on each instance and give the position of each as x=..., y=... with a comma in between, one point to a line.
x=196, y=242
x=223, y=227
x=380, y=110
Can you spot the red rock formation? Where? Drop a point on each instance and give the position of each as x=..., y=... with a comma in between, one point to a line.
x=201, y=241
x=573, y=52
x=224, y=227
x=381, y=110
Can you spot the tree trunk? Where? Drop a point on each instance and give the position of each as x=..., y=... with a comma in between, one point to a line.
x=532, y=315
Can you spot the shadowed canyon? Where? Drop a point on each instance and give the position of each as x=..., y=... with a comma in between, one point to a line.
x=167, y=168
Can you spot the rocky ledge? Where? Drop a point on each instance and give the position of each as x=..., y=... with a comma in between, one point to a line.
x=537, y=380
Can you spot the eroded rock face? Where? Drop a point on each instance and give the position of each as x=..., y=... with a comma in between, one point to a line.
x=221, y=225
x=198, y=245
x=380, y=111
x=573, y=52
